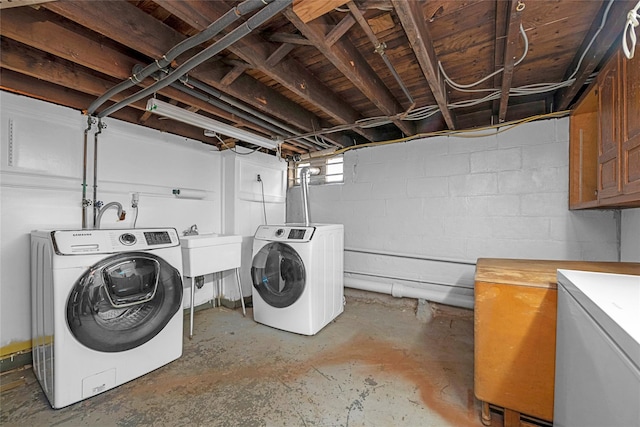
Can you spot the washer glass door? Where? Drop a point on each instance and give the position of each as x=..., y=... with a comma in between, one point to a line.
x=123, y=301
x=278, y=274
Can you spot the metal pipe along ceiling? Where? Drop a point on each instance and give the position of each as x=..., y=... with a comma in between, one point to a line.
x=205, y=35
x=226, y=103
x=256, y=20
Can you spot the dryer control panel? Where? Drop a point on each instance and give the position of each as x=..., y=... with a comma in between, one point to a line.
x=78, y=242
x=285, y=233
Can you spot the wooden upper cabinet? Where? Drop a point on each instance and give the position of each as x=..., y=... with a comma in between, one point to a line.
x=630, y=146
x=583, y=153
x=609, y=122
x=604, y=147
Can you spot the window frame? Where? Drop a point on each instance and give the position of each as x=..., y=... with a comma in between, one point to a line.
x=331, y=171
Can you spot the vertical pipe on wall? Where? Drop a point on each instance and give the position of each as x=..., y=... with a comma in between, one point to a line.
x=96, y=206
x=305, y=174
x=84, y=173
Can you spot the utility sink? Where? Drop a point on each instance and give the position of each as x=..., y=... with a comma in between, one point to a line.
x=209, y=253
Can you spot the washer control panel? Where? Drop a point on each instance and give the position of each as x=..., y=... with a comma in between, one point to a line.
x=78, y=242
x=291, y=233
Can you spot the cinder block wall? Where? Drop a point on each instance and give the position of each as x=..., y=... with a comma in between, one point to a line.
x=420, y=213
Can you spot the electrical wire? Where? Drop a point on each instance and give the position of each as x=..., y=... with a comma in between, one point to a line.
x=135, y=218
x=469, y=133
x=233, y=148
x=427, y=111
x=459, y=86
x=632, y=22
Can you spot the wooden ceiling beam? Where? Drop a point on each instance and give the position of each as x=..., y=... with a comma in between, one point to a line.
x=510, y=52
x=279, y=54
x=502, y=23
x=296, y=39
x=308, y=10
x=340, y=30
x=28, y=61
x=413, y=21
x=256, y=50
x=346, y=58
x=607, y=37
x=244, y=88
x=49, y=92
x=46, y=36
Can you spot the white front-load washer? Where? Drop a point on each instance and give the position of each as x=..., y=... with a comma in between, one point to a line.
x=106, y=308
x=298, y=276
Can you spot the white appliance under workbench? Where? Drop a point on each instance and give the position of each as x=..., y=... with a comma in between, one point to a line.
x=597, y=380
x=207, y=254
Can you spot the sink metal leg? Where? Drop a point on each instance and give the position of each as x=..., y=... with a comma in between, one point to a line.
x=219, y=288
x=244, y=311
x=193, y=292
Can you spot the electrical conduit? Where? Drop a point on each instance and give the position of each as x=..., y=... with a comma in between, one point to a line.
x=205, y=35
x=256, y=20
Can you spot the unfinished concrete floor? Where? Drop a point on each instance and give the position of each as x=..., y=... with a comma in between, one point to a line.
x=377, y=364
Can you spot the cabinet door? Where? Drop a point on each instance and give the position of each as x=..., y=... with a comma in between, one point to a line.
x=608, y=151
x=630, y=147
x=583, y=152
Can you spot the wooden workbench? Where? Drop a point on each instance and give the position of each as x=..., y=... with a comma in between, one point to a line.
x=515, y=333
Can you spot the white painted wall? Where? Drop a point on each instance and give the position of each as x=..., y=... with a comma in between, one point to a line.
x=40, y=188
x=245, y=208
x=427, y=209
x=630, y=235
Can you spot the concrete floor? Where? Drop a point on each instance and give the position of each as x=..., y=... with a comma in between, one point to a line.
x=377, y=364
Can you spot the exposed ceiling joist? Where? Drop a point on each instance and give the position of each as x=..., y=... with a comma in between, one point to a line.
x=510, y=51
x=308, y=10
x=155, y=47
x=346, y=58
x=256, y=50
x=415, y=26
x=616, y=14
x=321, y=75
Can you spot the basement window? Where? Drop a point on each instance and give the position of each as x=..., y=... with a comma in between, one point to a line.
x=331, y=171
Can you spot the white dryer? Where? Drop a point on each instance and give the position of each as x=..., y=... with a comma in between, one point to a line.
x=106, y=308
x=297, y=273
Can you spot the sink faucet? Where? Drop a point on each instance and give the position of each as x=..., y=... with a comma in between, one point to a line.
x=192, y=231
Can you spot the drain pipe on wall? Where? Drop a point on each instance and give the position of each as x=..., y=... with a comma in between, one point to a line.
x=399, y=290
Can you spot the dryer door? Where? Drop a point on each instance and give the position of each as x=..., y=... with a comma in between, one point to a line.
x=123, y=301
x=278, y=274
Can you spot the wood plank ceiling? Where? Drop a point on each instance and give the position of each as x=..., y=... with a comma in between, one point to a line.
x=314, y=76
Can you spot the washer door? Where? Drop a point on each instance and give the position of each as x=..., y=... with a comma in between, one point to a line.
x=123, y=301
x=278, y=274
